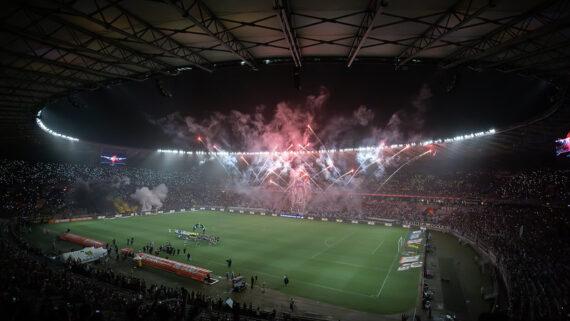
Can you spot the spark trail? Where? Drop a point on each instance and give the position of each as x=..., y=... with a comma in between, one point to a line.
x=272, y=182
x=317, y=174
x=320, y=141
x=338, y=179
x=406, y=163
x=398, y=153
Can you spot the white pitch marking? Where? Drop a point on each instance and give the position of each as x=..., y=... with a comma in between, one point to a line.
x=349, y=264
x=307, y=283
x=387, y=275
x=328, y=247
x=376, y=249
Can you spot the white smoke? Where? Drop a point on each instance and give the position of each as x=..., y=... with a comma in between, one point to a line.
x=150, y=199
x=117, y=181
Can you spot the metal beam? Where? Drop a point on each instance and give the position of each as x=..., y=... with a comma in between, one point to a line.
x=27, y=80
x=85, y=63
x=284, y=17
x=191, y=58
x=540, y=51
x=537, y=64
x=85, y=38
x=440, y=29
x=71, y=48
x=513, y=42
x=40, y=91
x=375, y=9
x=157, y=38
x=70, y=80
x=66, y=66
x=336, y=20
x=519, y=29
x=201, y=16
x=20, y=99
x=22, y=92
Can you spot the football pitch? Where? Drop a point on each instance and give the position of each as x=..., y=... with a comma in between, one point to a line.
x=348, y=265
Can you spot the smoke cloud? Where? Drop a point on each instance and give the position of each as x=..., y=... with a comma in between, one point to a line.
x=298, y=179
x=150, y=199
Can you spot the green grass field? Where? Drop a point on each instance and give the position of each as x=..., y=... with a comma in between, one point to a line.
x=349, y=265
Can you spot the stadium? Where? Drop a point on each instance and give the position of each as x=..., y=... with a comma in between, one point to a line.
x=285, y=160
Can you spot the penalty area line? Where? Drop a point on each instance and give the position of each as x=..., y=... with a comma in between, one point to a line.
x=376, y=249
x=387, y=275
x=330, y=246
x=303, y=282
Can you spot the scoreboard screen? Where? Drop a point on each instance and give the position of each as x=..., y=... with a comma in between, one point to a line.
x=563, y=146
x=113, y=158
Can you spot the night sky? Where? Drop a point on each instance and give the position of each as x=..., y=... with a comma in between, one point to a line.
x=124, y=114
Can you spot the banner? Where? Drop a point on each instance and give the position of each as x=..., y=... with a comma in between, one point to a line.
x=409, y=259
x=194, y=272
x=81, y=240
x=88, y=254
x=415, y=235
x=126, y=250
x=405, y=267
x=416, y=241
x=67, y=220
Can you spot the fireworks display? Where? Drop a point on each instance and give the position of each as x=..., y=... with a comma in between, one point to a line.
x=301, y=178
x=301, y=157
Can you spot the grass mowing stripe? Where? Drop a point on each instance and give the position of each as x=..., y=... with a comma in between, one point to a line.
x=342, y=272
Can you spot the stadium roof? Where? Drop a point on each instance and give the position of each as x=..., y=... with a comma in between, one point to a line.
x=53, y=49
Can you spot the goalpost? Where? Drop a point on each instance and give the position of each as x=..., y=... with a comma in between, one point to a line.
x=401, y=244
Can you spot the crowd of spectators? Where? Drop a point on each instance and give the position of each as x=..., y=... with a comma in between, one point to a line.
x=35, y=287
x=529, y=246
x=510, y=214
x=32, y=188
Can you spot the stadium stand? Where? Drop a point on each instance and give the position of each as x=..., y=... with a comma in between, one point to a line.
x=511, y=220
